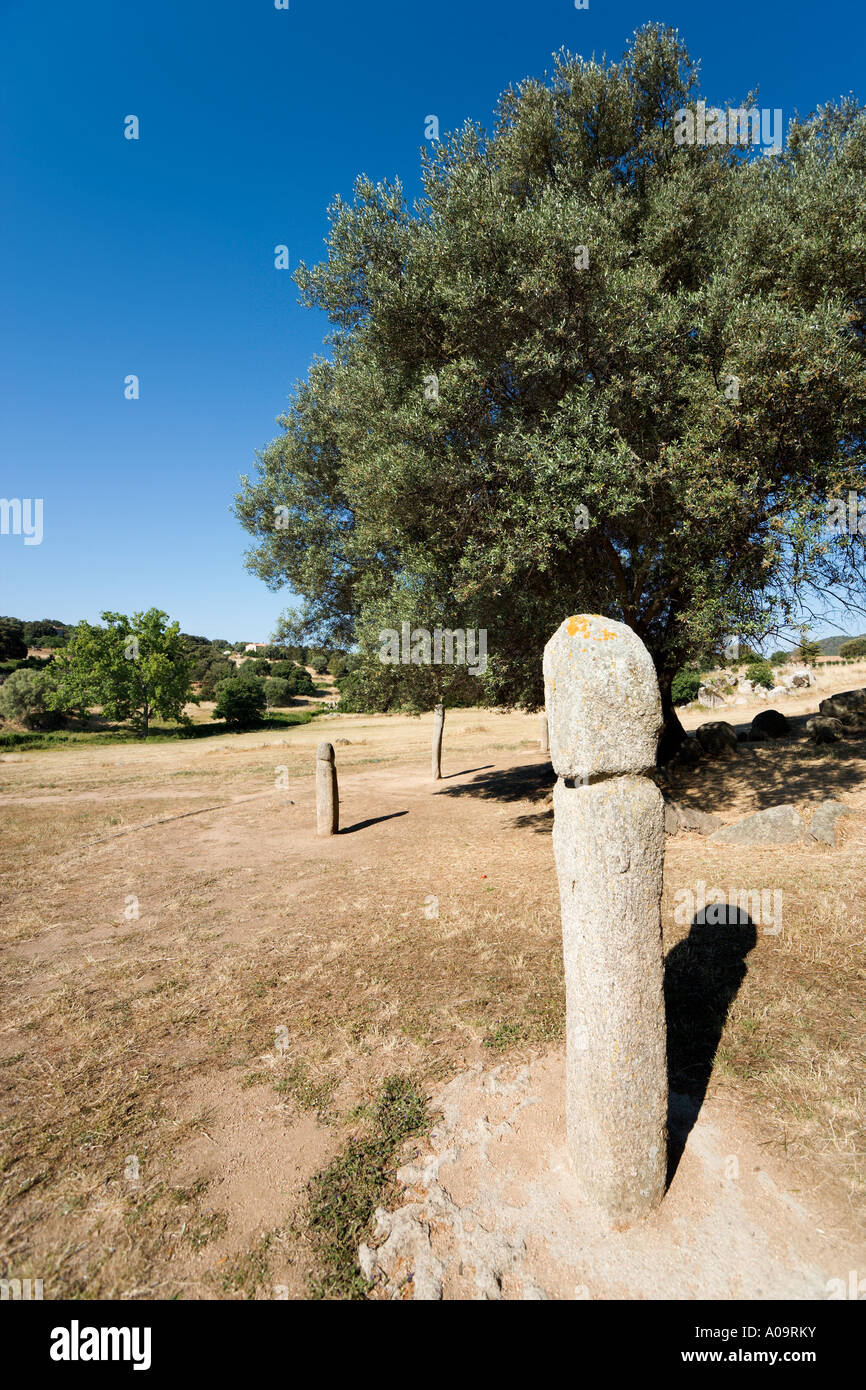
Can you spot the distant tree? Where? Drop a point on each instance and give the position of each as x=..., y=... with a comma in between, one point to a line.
x=779, y=658
x=12, y=644
x=260, y=666
x=303, y=682
x=25, y=698
x=856, y=647
x=246, y=671
x=807, y=650
x=45, y=633
x=214, y=672
x=299, y=679
x=278, y=693
x=240, y=702
x=134, y=668
x=319, y=662
x=338, y=665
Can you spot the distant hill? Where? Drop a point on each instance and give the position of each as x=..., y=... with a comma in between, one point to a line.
x=830, y=645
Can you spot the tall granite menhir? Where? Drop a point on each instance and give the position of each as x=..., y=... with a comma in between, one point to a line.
x=327, y=791
x=604, y=717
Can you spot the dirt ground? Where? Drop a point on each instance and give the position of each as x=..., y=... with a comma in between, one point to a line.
x=200, y=993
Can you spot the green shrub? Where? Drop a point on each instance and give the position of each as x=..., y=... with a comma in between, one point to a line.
x=856, y=647
x=761, y=673
x=685, y=687
x=300, y=681
x=239, y=702
x=25, y=699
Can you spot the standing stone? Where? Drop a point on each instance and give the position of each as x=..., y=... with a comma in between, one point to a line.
x=604, y=715
x=327, y=795
x=438, y=723
x=543, y=739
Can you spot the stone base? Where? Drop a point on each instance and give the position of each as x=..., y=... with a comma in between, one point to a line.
x=493, y=1211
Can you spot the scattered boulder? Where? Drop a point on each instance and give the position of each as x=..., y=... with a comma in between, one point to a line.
x=800, y=679
x=704, y=822
x=823, y=730
x=822, y=826
x=342, y=740
x=770, y=723
x=777, y=692
x=778, y=825
x=717, y=738
x=679, y=817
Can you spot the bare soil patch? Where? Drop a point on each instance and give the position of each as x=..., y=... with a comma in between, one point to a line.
x=215, y=996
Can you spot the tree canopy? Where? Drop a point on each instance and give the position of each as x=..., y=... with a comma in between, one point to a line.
x=589, y=369
x=134, y=668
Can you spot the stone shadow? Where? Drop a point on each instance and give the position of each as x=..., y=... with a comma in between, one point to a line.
x=466, y=772
x=373, y=820
x=703, y=974
x=531, y=782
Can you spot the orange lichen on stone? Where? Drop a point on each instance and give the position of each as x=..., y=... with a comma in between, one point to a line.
x=581, y=627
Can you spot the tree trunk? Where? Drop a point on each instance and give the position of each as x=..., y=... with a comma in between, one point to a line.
x=438, y=722
x=672, y=733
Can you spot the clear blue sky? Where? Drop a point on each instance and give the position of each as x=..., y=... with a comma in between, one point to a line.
x=155, y=257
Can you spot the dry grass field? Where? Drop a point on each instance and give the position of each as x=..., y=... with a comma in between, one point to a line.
x=202, y=1000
